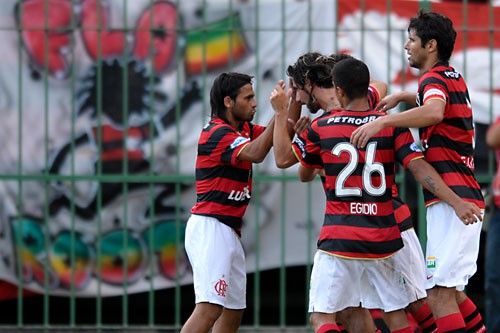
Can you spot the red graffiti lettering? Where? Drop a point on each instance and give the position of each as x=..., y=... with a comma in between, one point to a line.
x=156, y=34
x=96, y=32
x=46, y=38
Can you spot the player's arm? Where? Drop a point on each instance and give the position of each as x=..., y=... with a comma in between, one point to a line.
x=294, y=109
x=256, y=150
x=380, y=87
x=431, y=113
x=282, y=141
x=307, y=174
x=390, y=101
x=493, y=135
x=426, y=175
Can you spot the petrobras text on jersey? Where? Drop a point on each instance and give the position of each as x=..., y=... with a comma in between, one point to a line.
x=351, y=120
x=363, y=208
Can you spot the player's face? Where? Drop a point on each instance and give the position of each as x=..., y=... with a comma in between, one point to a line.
x=245, y=104
x=305, y=96
x=417, y=54
x=313, y=106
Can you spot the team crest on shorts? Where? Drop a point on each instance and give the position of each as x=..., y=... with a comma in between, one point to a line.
x=221, y=287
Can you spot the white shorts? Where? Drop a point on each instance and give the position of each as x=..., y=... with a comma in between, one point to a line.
x=452, y=248
x=218, y=261
x=338, y=283
x=411, y=260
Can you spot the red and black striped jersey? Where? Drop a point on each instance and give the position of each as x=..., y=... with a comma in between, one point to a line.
x=373, y=97
x=224, y=183
x=496, y=180
x=402, y=212
x=359, y=217
x=449, y=145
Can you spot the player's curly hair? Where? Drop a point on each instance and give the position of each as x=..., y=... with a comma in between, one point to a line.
x=432, y=25
x=315, y=67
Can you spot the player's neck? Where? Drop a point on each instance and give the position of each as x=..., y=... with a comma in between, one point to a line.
x=358, y=104
x=235, y=124
x=329, y=101
x=431, y=62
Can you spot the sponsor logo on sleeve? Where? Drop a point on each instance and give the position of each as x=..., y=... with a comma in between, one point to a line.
x=301, y=145
x=239, y=141
x=415, y=147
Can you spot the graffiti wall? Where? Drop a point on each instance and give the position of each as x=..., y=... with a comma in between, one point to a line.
x=101, y=110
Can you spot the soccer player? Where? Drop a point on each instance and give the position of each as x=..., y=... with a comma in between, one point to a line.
x=317, y=68
x=492, y=269
x=410, y=258
x=353, y=264
x=227, y=147
x=444, y=116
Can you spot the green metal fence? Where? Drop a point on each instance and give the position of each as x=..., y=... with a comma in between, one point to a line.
x=103, y=102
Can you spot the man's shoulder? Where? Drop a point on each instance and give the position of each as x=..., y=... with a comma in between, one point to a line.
x=215, y=123
x=444, y=71
x=324, y=116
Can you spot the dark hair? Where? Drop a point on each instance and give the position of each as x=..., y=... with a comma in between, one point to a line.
x=226, y=84
x=340, y=57
x=353, y=76
x=432, y=25
x=315, y=67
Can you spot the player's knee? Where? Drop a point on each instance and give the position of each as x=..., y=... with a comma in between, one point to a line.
x=460, y=296
x=209, y=311
x=441, y=295
x=314, y=320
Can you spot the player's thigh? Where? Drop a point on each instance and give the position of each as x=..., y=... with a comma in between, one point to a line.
x=213, y=248
x=334, y=283
x=452, y=248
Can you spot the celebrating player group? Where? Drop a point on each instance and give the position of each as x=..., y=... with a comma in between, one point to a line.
x=368, y=259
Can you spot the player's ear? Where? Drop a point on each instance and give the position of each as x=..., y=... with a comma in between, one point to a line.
x=431, y=44
x=228, y=102
x=339, y=91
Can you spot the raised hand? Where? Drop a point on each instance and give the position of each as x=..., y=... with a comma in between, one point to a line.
x=280, y=98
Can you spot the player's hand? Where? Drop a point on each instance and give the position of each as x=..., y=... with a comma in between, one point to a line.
x=280, y=98
x=468, y=212
x=292, y=91
x=301, y=125
x=387, y=103
x=362, y=134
